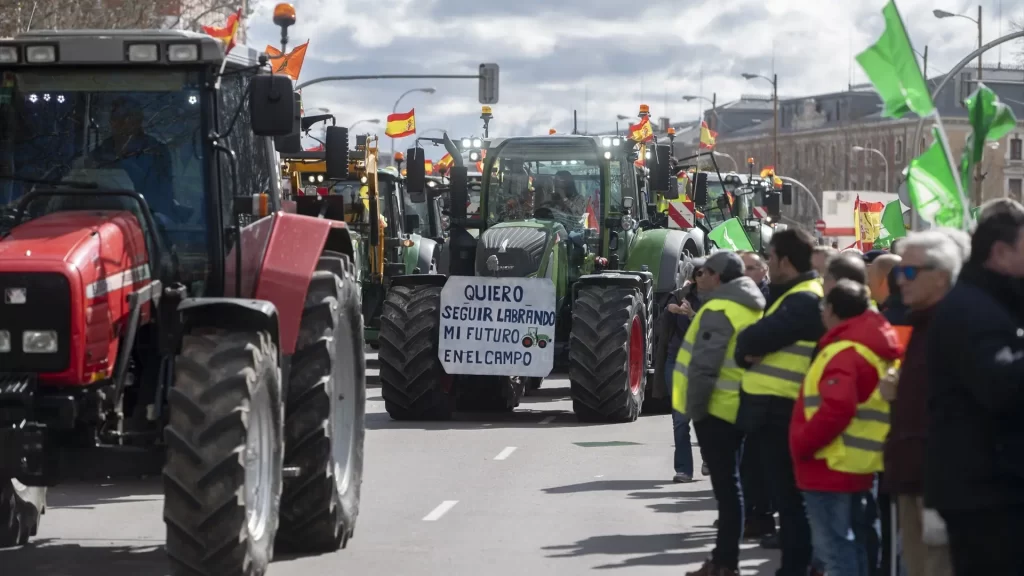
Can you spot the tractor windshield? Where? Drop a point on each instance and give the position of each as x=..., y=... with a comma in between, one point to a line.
x=557, y=180
x=137, y=130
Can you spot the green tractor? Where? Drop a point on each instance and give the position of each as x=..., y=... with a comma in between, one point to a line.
x=565, y=245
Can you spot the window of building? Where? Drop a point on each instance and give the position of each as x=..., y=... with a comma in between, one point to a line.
x=1015, y=189
x=898, y=151
x=1016, y=149
x=832, y=206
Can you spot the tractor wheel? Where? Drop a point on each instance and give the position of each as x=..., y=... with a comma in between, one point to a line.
x=222, y=479
x=20, y=510
x=607, y=354
x=413, y=382
x=325, y=414
x=542, y=344
x=527, y=342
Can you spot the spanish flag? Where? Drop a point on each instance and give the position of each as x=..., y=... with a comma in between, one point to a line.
x=591, y=217
x=228, y=32
x=445, y=163
x=289, y=64
x=428, y=167
x=707, y=137
x=401, y=125
x=867, y=223
x=642, y=131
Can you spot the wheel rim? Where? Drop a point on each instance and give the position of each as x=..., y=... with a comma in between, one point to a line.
x=259, y=465
x=345, y=412
x=636, y=355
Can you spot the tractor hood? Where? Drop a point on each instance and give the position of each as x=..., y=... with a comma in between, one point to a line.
x=73, y=238
x=519, y=246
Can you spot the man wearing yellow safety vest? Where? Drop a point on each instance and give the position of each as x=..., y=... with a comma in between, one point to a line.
x=706, y=388
x=776, y=352
x=839, y=425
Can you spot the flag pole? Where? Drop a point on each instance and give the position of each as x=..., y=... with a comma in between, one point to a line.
x=944, y=142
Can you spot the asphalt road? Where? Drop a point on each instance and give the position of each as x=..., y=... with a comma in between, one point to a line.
x=532, y=492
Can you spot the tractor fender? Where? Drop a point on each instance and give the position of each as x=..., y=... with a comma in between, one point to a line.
x=426, y=254
x=661, y=250
x=642, y=281
x=236, y=314
x=694, y=242
x=419, y=280
x=293, y=250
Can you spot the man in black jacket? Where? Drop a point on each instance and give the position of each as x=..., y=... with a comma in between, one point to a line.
x=782, y=344
x=975, y=353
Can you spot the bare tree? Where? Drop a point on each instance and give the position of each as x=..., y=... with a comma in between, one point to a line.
x=1018, y=24
x=23, y=15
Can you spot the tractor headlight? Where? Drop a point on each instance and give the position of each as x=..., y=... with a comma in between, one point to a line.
x=466, y=142
x=477, y=143
x=606, y=142
x=5, y=341
x=39, y=342
x=607, y=155
x=8, y=55
x=40, y=54
x=627, y=223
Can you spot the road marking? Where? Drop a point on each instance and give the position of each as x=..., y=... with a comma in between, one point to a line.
x=548, y=420
x=505, y=453
x=440, y=511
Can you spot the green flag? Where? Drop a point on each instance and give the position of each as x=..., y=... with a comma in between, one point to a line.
x=991, y=120
x=891, y=66
x=730, y=235
x=892, y=225
x=932, y=186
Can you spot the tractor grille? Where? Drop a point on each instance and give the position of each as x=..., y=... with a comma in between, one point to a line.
x=47, y=307
x=519, y=251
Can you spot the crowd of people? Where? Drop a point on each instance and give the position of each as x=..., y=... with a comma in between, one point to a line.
x=872, y=400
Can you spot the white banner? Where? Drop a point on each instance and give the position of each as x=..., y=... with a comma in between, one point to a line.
x=497, y=326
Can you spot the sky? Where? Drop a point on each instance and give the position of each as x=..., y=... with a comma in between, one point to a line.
x=596, y=57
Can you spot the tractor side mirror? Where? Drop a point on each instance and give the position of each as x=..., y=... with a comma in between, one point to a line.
x=291, y=142
x=415, y=171
x=700, y=189
x=660, y=168
x=787, y=194
x=459, y=193
x=271, y=105
x=412, y=222
x=772, y=204
x=336, y=150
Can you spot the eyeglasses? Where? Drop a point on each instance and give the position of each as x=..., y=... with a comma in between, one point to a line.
x=911, y=272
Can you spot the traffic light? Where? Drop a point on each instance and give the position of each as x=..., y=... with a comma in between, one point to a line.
x=787, y=194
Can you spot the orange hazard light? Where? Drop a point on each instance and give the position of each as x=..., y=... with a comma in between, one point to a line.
x=284, y=14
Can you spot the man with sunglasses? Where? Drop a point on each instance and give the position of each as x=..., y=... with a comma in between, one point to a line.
x=975, y=353
x=930, y=264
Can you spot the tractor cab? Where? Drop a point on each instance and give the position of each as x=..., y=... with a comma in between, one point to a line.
x=156, y=287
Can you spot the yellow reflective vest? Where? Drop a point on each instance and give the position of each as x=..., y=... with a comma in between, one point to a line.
x=781, y=373
x=858, y=450
x=725, y=399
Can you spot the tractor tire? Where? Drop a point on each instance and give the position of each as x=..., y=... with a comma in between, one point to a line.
x=325, y=415
x=20, y=510
x=607, y=354
x=413, y=383
x=222, y=479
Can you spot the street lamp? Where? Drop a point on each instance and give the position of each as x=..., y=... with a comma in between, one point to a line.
x=366, y=121
x=944, y=14
x=394, y=108
x=714, y=107
x=775, y=114
x=885, y=161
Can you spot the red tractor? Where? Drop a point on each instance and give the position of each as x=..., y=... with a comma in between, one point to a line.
x=162, y=312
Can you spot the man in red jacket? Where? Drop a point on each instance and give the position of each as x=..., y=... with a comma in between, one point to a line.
x=839, y=425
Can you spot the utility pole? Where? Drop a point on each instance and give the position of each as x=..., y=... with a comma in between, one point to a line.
x=714, y=111
x=925, y=55
x=979, y=42
x=775, y=131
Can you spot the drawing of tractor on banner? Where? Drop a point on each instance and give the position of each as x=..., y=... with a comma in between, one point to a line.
x=533, y=339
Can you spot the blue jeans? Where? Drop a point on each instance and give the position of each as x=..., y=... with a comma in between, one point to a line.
x=840, y=529
x=683, y=458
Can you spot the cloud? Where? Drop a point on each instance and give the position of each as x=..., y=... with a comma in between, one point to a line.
x=599, y=57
